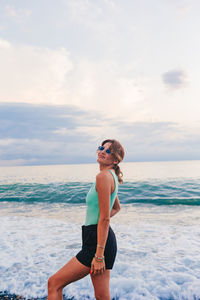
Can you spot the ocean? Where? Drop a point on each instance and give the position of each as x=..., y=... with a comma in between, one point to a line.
x=42, y=209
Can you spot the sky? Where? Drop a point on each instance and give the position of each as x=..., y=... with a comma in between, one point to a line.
x=76, y=72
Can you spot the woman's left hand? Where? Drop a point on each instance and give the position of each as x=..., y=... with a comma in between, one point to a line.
x=97, y=268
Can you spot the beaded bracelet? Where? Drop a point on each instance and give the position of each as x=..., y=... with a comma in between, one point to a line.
x=99, y=259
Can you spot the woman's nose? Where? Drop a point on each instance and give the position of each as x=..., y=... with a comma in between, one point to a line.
x=104, y=150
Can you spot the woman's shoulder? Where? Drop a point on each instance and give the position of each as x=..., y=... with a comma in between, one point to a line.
x=104, y=175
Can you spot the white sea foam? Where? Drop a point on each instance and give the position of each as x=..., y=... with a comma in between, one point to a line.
x=158, y=256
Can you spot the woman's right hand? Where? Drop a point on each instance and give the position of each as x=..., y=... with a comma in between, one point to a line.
x=97, y=268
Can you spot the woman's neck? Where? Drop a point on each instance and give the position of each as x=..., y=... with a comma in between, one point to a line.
x=104, y=167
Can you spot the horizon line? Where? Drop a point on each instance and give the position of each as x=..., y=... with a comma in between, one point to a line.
x=94, y=163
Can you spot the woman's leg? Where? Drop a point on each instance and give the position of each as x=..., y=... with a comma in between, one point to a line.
x=73, y=270
x=101, y=285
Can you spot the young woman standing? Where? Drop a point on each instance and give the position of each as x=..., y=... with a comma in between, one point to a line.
x=99, y=245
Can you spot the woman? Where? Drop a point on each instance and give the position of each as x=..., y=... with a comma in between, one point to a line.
x=99, y=243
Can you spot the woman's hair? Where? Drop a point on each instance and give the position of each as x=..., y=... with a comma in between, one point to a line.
x=118, y=153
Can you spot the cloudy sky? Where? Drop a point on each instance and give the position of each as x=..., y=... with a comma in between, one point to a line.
x=74, y=72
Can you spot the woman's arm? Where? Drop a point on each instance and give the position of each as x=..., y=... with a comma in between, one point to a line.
x=116, y=207
x=103, y=186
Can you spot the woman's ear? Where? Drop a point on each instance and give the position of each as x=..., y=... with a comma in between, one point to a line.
x=115, y=162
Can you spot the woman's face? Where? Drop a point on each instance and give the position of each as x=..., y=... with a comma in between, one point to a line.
x=103, y=157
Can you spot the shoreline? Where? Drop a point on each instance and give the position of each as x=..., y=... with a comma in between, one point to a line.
x=7, y=296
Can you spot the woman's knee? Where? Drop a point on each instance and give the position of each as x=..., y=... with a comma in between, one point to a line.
x=52, y=283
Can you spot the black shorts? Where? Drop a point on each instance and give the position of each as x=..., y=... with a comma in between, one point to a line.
x=89, y=244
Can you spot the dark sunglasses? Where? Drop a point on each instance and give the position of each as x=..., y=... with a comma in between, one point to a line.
x=101, y=148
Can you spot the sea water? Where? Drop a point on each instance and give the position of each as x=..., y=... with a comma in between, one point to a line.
x=42, y=209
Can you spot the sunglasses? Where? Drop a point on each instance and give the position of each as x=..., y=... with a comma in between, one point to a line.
x=101, y=148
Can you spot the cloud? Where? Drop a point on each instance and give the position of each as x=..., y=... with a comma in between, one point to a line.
x=7, y=141
x=24, y=121
x=102, y=86
x=49, y=76
x=95, y=16
x=45, y=134
x=4, y=45
x=19, y=15
x=175, y=79
x=110, y=3
x=37, y=75
x=10, y=10
x=40, y=75
x=154, y=141
x=41, y=134
x=184, y=10
x=13, y=162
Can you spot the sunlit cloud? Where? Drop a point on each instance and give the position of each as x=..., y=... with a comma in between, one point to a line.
x=37, y=75
x=4, y=44
x=51, y=77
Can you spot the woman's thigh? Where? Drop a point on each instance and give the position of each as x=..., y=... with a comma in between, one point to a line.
x=101, y=284
x=72, y=271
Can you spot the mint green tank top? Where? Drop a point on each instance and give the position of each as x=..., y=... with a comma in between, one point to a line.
x=92, y=202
